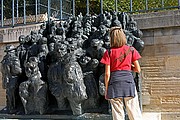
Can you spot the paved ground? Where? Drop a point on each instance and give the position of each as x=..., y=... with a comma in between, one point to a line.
x=146, y=116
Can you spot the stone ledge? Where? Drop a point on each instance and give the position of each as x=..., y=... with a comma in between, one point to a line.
x=158, y=20
x=157, y=14
x=9, y=35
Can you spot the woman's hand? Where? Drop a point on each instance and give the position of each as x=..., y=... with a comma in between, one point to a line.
x=106, y=96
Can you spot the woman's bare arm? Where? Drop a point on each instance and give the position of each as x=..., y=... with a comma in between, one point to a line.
x=136, y=67
x=107, y=76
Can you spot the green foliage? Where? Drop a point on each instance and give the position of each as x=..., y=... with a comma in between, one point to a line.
x=108, y=5
x=124, y=5
x=7, y=8
x=80, y=6
x=30, y=8
x=94, y=6
x=138, y=5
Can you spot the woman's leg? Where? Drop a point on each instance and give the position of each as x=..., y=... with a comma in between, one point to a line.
x=132, y=107
x=117, y=108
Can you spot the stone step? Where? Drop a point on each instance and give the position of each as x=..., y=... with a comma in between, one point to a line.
x=151, y=116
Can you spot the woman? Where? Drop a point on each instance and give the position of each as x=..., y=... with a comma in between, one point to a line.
x=119, y=62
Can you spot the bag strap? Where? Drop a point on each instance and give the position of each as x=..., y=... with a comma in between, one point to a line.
x=131, y=49
x=109, y=51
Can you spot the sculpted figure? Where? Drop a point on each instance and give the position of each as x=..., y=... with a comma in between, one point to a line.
x=107, y=23
x=116, y=22
x=87, y=24
x=43, y=51
x=43, y=30
x=11, y=70
x=136, y=34
x=55, y=73
x=74, y=88
x=88, y=65
x=33, y=91
x=33, y=48
x=53, y=28
x=130, y=38
x=22, y=55
x=124, y=18
x=96, y=50
x=61, y=31
x=76, y=29
x=51, y=56
x=21, y=50
x=100, y=33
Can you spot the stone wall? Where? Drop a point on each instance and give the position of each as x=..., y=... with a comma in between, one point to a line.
x=160, y=63
x=160, y=70
x=160, y=60
x=29, y=19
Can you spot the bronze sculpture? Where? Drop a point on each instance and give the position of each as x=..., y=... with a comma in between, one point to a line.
x=11, y=70
x=33, y=91
x=67, y=55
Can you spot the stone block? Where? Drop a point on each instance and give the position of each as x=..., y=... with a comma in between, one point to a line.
x=151, y=116
x=170, y=39
x=146, y=99
x=167, y=49
x=170, y=116
x=148, y=33
x=148, y=51
x=148, y=40
x=167, y=31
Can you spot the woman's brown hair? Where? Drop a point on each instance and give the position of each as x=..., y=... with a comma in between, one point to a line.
x=117, y=37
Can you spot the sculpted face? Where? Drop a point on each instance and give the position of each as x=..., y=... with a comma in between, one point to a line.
x=61, y=49
x=31, y=67
x=102, y=29
x=84, y=60
x=51, y=46
x=22, y=39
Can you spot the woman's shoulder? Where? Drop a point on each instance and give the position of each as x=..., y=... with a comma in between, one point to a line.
x=122, y=47
x=126, y=46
